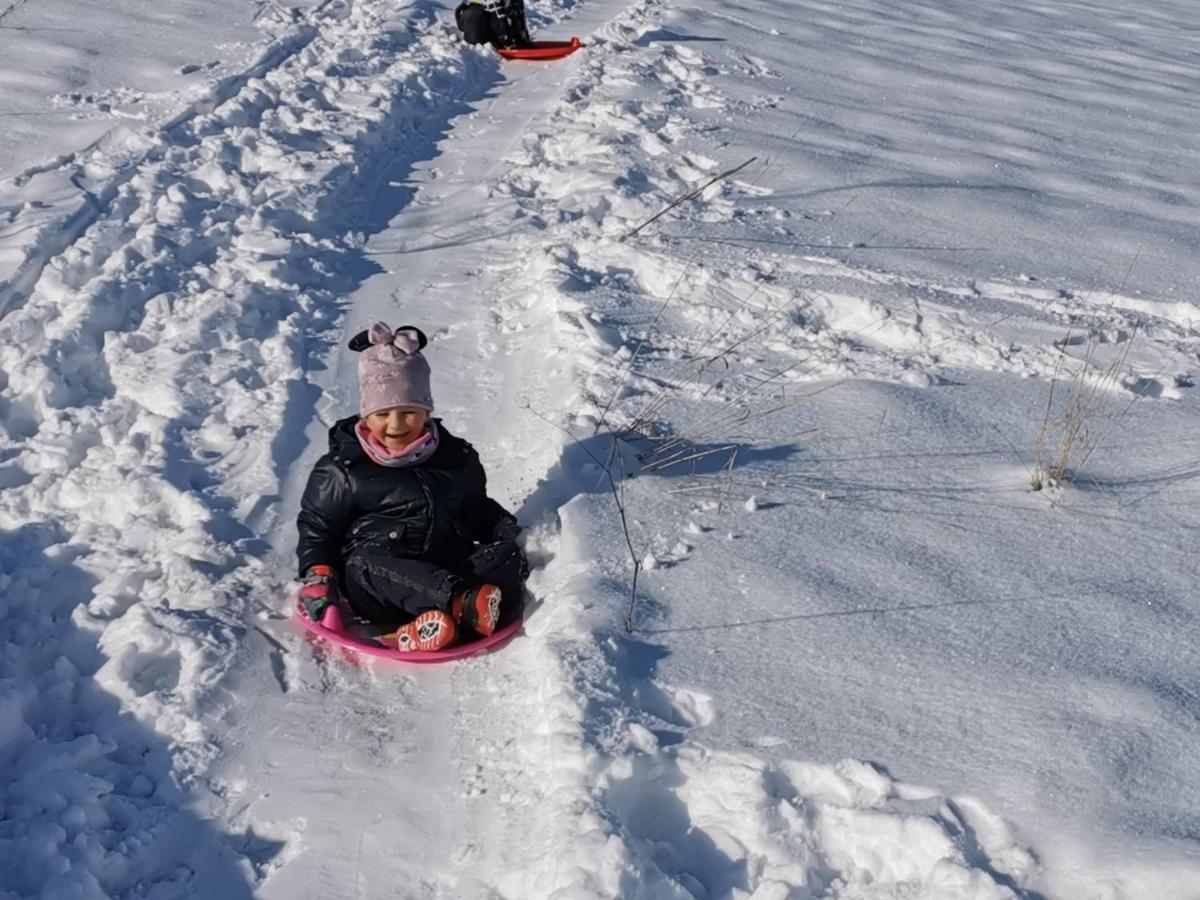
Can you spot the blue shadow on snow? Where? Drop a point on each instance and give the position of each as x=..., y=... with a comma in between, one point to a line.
x=91, y=806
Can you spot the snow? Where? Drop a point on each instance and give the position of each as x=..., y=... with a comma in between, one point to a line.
x=787, y=432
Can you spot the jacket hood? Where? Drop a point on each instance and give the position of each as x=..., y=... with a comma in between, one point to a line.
x=342, y=439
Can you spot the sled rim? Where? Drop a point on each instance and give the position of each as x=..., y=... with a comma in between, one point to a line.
x=541, y=50
x=340, y=638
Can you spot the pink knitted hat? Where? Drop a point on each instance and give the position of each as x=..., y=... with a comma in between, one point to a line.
x=391, y=370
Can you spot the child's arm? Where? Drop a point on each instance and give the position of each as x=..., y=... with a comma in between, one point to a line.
x=326, y=512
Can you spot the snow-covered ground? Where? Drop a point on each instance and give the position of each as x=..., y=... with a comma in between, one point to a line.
x=866, y=659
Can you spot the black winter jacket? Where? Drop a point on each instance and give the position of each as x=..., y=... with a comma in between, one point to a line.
x=435, y=511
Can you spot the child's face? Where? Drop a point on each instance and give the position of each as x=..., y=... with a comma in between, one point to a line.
x=397, y=427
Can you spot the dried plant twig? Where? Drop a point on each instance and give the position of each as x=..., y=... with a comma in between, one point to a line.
x=688, y=196
x=618, y=499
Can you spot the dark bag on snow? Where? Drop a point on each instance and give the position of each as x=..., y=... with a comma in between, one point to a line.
x=472, y=21
x=498, y=22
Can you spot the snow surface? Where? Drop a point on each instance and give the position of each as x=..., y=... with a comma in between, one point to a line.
x=867, y=660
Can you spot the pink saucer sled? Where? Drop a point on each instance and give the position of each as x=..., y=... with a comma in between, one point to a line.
x=333, y=629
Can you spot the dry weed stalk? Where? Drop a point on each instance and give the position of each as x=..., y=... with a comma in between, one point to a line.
x=618, y=495
x=1067, y=440
x=690, y=195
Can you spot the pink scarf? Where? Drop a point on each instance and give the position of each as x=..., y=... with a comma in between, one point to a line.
x=410, y=455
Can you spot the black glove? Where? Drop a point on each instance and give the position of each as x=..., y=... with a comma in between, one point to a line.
x=505, y=530
x=501, y=563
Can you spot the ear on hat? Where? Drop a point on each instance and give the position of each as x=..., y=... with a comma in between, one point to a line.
x=362, y=340
x=422, y=341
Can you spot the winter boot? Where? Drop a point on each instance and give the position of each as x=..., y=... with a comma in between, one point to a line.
x=478, y=608
x=431, y=630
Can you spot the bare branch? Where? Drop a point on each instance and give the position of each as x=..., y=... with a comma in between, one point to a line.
x=688, y=196
x=618, y=500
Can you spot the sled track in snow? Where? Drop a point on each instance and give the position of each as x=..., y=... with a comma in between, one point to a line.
x=624, y=799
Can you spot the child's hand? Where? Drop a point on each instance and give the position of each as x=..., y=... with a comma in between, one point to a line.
x=506, y=530
x=318, y=591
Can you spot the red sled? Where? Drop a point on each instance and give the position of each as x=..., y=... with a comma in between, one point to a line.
x=542, y=50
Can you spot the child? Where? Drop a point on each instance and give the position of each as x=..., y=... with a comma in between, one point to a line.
x=397, y=512
x=500, y=23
